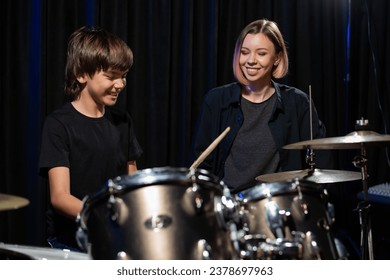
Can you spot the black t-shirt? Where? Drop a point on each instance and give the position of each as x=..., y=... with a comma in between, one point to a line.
x=253, y=151
x=94, y=150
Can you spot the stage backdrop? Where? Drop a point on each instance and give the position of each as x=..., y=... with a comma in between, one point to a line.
x=183, y=48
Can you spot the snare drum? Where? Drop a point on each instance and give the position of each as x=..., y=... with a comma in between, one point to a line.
x=286, y=220
x=159, y=213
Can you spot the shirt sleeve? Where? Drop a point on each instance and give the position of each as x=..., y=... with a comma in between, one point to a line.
x=54, y=149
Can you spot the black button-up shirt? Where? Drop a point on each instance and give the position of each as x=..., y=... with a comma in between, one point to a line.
x=289, y=123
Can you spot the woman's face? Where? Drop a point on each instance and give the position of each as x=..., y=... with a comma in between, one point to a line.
x=257, y=57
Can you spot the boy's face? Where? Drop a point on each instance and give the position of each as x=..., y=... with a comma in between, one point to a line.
x=104, y=87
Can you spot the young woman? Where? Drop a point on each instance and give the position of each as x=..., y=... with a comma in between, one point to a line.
x=263, y=115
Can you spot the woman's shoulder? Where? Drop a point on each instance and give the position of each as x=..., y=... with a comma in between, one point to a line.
x=231, y=87
x=225, y=92
x=287, y=91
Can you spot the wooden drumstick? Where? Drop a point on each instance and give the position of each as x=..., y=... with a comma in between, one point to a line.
x=210, y=148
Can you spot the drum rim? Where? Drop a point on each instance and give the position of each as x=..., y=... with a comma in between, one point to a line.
x=261, y=190
x=151, y=176
x=144, y=178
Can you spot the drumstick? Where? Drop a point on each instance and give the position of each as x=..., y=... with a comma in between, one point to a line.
x=209, y=149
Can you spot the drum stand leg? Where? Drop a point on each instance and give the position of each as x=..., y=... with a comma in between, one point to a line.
x=366, y=245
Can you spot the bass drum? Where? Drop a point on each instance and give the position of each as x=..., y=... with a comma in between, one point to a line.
x=286, y=220
x=159, y=213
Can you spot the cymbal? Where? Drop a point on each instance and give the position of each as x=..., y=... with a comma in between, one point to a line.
x=9, y=202
x=352, y=140
x=318, y=176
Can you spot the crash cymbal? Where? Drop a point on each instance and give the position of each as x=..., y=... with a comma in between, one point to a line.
x=352, y=140
x=318, y=176
x=9, y=202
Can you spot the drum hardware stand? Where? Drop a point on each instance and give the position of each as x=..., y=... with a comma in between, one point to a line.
x=363, y=208
x=360, y=161
x=310, y=155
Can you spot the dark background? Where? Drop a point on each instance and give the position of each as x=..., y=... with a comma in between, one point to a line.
x=182, y=48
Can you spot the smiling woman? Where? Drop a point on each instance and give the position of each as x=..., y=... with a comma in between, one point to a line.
x=263, y=115
x=85, y=142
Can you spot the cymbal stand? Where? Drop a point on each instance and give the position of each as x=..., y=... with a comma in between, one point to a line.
x=366, y=245
x=310, y=155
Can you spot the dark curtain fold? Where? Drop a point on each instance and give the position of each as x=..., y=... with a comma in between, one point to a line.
x=183, y=48
x=369, y=84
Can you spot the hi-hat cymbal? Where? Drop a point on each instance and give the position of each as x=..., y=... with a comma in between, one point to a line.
x=352, y=140
x=318, y=176
x=10, y=202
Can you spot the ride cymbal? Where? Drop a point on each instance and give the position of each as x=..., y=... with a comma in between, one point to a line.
x=352, y=140
x=318, y=176
x=10, y=202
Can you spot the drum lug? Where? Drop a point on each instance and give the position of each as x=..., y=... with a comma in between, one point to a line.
x=113, y=209
x=230, y=208
x=117, y=210
x=330, y=211
x=301, y=207
x=82, y=239
x=204, y=250
x=305, y=208
x=312, y=246
x=244, y=221
x=197, y=197
x=274, y=218
x=226, y=209
x=197, y=200
x=82, y=232
x=112, y=203
x=323, y=224
x=122, y=256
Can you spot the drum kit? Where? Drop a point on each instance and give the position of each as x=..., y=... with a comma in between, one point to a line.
x=180, y=213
